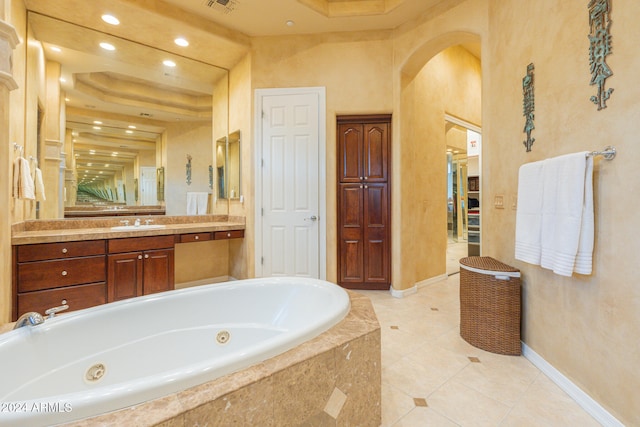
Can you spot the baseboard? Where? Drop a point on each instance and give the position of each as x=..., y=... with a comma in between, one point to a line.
x=403, y=293
x=587, y=403
x=431, y=280
x=201, y=282
x=414, y=289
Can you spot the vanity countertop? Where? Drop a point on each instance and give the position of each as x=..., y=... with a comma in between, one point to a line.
x=67, y=230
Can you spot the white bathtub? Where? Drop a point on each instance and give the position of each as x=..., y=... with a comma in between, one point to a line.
x=144, y=348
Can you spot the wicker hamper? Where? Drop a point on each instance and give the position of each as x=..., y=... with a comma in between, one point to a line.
x=490, y=305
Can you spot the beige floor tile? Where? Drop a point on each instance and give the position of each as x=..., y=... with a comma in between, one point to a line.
x=424, y=417
x=424, y=356
x=395, y=404
x=548, y=405
x=466, y=406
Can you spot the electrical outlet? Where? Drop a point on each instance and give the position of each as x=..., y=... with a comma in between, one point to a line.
x=498, y=201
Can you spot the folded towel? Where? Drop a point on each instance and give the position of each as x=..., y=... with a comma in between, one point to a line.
x=203, y=202
x=529, y=212
x=23, y=187
x=562, y=212
x=192, y=203
x=39, y=186
x=584, y=257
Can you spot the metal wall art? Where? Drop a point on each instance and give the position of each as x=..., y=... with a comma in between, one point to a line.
x=188, y=169
x=528, y=105
x=599, y=49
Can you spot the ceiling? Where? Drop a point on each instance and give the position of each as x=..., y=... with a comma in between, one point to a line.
x=270, y=17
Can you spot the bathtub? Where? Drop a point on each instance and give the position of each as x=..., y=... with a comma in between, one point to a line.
x=116, y=355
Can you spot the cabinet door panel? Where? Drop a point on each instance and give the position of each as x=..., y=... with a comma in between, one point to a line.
x=125, y=276
x=350, y=152
x=375, y=146
x=351, y=233
x=376, y=234
x=158, y=271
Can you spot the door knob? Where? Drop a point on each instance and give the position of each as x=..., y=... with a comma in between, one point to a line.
x=311, y=218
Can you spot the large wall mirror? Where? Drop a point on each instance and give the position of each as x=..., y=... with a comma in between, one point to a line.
x=132, y=114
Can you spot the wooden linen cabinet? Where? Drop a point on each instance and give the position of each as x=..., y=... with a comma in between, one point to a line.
x=364, y=201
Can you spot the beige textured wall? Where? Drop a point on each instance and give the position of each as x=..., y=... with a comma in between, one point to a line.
x=186, y=139
x=241, y=251
x=449, y=83
x=585, y=326
x=357, y=73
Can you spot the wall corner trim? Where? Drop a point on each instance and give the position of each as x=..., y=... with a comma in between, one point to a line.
x=587, y=403
x=403, y=293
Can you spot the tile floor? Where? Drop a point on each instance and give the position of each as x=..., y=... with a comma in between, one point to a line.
x=432, y=377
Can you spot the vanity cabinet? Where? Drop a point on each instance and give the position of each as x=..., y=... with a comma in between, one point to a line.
x=140, y=266
x=52, y=274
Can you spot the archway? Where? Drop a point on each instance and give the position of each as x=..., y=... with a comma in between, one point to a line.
x=442, y=77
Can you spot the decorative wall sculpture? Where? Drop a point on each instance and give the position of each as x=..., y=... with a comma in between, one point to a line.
x=599, y=49
x=528, y=105
x=188, y=166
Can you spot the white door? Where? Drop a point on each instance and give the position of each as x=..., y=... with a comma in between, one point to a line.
x=290, y=186
x=148, y=190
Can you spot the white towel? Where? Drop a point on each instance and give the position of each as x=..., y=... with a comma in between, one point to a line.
x=562, y=211
x=555, y=220
x=529, y=212
x=192, y=203
x=584, y=257
x=39, y=185
x=23, y=187
x=203, y=203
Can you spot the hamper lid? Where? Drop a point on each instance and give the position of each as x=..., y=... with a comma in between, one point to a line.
x=488, y=265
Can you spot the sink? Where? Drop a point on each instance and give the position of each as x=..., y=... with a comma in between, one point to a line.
x=137, y=227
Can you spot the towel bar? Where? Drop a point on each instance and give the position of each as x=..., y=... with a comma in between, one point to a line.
x=609, y=153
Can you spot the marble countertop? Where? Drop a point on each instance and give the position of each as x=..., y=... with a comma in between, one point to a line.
x=67, y=230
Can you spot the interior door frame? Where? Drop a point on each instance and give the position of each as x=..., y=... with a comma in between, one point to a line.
x=322, y=171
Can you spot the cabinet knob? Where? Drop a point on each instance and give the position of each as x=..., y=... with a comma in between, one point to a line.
x=64, y=250
x=64, y=272
x=362, y=186
x=146, y=256
x=197, y=238
x=366, y=186
x=366, y=177
x=361, y=177
x=228, y=234
x=139, y=256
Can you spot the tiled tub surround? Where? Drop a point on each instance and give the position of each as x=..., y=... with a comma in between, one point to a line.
x=64, y=230
x=333, y=379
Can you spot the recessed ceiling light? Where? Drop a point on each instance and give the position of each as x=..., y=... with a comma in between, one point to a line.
x=63, y=80
x=97, y=127
x=67, y=100
x=169, y=63
x=56, y=49
x=106, y=166
x=290, y=23
x=131, y=127
x=97, y=122
x=89, y=164
x=107, y=46
x=129, y=131
x=110, y=19
x=181, y=42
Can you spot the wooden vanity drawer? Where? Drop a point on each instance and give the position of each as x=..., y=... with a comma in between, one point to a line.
x=46, y=251
x=229, y=234
x=78, y=297
x=195, y=237
x=35, y=276
x=133, y=244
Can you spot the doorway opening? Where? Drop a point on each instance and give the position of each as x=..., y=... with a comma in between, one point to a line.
x=463, y=142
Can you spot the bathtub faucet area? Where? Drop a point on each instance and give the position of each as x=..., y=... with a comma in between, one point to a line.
x=31, y=318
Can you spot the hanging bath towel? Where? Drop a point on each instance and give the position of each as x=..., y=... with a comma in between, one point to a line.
x=39, y=184
x=23, y=187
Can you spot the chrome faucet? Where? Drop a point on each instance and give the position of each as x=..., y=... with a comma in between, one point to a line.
x=31, y=318
x=51, y=312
